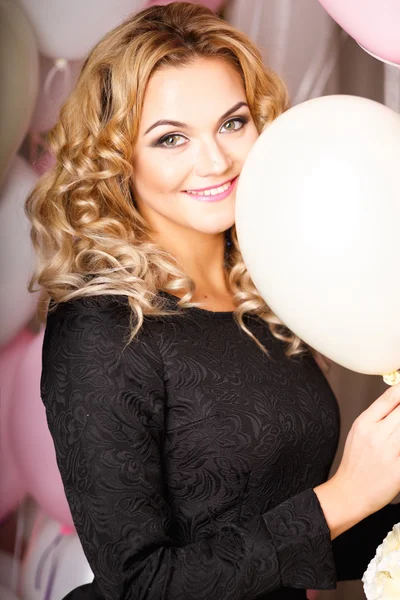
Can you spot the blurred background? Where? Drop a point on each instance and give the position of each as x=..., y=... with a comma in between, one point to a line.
x=42, y=46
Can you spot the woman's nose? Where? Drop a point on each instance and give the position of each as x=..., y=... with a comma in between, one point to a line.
x=212, y=160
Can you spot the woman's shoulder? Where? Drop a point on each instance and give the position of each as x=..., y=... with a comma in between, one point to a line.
x=109, y=311
x=102, y=312
x=106, y=302
x=98, y=329
x=88, y=303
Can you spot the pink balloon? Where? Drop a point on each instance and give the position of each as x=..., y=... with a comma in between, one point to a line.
x=30, y=438
x=374, y=24
x=214, y=5
x=44, y=163
x=11, y=482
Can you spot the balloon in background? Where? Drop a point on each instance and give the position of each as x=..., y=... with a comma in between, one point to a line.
x=6, y=594
x=17, y=257
x=374, y=24
x=8, y=562
x=297, y=39
x=30, y=439
x=317, y=215
x=11, y=483
x=70, y=29
x=19, y=75
x=54, y=563
x=44, y=163
x=214, y=5
x=57, y=78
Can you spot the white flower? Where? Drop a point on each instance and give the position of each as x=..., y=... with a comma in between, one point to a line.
x=382, y=578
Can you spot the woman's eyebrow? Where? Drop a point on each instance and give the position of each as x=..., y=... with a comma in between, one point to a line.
x=183, y=125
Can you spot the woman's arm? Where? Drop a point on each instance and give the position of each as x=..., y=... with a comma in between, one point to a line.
x=105, y=412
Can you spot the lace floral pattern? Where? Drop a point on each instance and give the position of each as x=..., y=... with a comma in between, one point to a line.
x=188, y=460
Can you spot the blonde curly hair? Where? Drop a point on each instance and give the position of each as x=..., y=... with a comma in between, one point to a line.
x=87, y=234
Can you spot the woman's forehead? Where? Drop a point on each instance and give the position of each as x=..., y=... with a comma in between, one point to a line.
x=201, y=91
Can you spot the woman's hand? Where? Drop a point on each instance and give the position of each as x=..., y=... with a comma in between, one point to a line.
x=368, y=476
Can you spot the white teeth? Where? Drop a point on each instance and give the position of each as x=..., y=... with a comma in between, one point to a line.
x=212, y=192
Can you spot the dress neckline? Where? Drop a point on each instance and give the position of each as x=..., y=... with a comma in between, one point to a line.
x=215, y=313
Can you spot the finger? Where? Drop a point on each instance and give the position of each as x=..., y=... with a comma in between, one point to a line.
x=384, y=405
x=391, y=424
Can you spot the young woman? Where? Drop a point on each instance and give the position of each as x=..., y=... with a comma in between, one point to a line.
x=194, y=433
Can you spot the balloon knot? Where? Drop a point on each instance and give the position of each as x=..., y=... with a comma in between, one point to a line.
x=67, y=530
x=392, y=378
x=61, y=64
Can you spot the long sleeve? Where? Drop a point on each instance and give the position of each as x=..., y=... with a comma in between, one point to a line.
x=105, y=410
x=354, y=549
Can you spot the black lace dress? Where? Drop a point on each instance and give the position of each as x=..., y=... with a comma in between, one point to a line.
x=188, y=460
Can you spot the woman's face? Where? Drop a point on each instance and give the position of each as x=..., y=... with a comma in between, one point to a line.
x=195, y=132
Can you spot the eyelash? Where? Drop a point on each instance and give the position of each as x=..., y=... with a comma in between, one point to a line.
x=242, y=120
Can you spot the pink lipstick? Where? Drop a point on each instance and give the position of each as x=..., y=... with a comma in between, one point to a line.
x=215, y=193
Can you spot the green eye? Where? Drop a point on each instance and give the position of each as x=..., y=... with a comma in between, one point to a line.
x=234, y=124
x=170, y=141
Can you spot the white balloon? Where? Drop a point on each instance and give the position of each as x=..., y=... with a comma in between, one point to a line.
x=318, y=214
x=17, y=257
x=57, y=79
x=70, y=29
x=46, y=549
x=19, y=75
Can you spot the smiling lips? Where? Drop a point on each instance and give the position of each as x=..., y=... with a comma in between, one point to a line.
x=213, y=194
